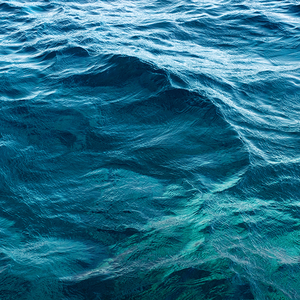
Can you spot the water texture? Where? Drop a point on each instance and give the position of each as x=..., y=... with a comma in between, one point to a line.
x=150, y=149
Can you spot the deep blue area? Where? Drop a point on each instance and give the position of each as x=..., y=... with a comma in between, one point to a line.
x=149, y=150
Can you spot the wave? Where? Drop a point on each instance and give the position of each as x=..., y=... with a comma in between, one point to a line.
x=159, y=130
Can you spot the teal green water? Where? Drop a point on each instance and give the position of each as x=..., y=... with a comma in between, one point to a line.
x=149, y=150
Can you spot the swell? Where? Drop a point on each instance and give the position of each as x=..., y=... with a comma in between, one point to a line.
x=156, y=129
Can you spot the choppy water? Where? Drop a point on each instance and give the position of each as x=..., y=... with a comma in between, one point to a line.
x=150, y=150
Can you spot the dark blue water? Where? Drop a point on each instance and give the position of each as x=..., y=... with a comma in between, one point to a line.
x=150, y=150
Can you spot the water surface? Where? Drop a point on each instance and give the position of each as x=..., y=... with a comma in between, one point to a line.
x=149, y=150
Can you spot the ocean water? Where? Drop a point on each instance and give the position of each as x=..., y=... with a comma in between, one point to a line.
x=150, y=149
